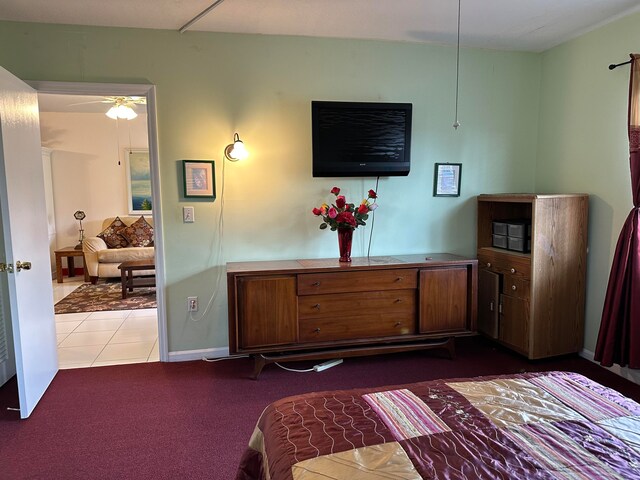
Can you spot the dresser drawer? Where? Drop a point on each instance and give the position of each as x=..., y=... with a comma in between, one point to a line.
x=505, y=263
x=516, y=287
x=351, y=327
x=369, y=303
x=360, y=281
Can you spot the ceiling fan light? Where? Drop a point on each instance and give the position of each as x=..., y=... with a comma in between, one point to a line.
x=126, y=112
x=121, y=111
x=112, y=113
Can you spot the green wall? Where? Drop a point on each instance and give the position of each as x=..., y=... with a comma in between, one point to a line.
x=211, y=85
x=583, y=141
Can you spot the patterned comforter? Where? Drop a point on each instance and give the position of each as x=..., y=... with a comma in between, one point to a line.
x=528, y=426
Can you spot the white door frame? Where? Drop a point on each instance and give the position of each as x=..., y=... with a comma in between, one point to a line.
x=141, y=90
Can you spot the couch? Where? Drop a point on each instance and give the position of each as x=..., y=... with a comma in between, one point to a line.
x=102, y=261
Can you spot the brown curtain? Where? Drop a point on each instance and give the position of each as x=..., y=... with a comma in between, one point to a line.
x=619, y=337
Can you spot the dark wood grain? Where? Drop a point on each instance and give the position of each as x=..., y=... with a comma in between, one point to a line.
x=280, y=307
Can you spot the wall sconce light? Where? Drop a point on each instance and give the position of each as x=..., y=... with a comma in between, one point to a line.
x=236, y=151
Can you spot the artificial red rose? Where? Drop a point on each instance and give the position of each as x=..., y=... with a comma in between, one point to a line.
x=341, y=201
x=346, y=217
x=335, y=190
x=333, y=213
x=362, y=209
x=372, y=194
x=317, y=212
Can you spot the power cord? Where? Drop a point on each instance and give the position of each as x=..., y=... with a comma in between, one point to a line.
x=373, y=219
x=293, y=369
x=220, y=253
x=316, y=368
x=220, y=359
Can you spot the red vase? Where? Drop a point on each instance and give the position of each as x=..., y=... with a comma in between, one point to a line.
x=344, y=243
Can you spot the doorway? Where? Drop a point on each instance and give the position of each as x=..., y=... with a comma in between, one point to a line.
x=80, y=97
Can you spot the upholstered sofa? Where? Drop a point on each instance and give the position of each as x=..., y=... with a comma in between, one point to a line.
x=102, y=261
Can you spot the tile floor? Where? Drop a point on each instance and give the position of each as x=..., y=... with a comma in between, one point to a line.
x=95, y=339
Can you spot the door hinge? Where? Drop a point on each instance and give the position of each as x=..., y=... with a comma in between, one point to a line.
x=499, y=308
x=491, y=306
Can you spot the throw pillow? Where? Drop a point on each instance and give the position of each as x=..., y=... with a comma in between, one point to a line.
x=112, y=234
x=139, y=233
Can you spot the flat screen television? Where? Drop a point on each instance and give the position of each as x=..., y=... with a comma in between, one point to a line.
x=360, y=139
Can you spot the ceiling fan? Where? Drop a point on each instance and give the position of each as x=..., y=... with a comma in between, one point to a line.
x=122, y=107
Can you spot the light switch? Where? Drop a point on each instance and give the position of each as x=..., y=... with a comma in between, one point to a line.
x=188, y=215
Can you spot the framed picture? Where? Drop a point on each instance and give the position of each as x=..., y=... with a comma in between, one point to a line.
x=199, y=179
x=138, y=181
x=446, y=180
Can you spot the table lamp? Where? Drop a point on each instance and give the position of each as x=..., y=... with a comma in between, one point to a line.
x=79, y=215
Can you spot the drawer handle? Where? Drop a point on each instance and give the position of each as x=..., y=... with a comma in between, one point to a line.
x=398, y=324
x=315, y=284
x=514, y=288
x=513, y=270
x=317, y=306
x=488, y=264
x=397, y=300
x=399, y=279
x=317, y=330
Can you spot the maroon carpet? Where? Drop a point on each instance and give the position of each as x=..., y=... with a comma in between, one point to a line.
x=193, y=420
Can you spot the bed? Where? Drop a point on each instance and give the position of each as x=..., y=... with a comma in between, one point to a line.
x=523, y=426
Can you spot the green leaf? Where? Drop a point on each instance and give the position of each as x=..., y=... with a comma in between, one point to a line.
x=323, y=226
x=365, y=216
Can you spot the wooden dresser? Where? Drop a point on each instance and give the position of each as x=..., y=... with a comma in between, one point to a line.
x=534, y=302
x=320, y=309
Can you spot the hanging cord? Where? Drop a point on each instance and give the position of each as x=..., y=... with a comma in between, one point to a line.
x=456, y=123
x=220, y=255
x=118, y=139
x=373, y=220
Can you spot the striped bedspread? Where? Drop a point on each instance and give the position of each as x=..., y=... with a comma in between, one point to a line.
x=553, y=425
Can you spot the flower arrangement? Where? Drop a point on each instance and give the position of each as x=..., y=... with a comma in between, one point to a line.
x=341, y=214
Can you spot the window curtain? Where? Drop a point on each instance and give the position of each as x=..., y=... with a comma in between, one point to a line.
x=619, y=337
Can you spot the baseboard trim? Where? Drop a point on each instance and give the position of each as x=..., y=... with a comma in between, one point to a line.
x=624, y=372
x=189, y=355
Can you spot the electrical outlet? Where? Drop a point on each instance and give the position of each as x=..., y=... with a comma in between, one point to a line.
x=192, y=304
x=188, y=215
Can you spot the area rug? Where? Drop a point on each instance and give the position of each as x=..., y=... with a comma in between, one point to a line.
x=105, y=296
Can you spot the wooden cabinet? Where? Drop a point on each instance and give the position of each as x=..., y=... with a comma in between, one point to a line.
x=534, y=302
x=270, y=303
x=318, y=309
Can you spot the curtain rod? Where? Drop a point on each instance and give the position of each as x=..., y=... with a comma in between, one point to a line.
x=614, y=65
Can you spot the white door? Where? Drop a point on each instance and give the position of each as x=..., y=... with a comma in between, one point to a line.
x=24, y=228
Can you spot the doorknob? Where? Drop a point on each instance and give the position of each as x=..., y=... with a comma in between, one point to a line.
x=6, y=267
x=23, y=265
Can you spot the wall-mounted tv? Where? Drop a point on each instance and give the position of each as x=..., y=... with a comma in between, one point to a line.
x=360, y=139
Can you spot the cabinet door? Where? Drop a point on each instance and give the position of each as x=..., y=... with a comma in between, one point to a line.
x=443, y=300
x=514, y=323
x=267, y=311
x=488, y=298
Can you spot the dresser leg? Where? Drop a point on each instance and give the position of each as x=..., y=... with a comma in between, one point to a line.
x=258, y=364
x=451, y=347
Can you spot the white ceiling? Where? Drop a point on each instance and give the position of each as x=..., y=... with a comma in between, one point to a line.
x=526, y=25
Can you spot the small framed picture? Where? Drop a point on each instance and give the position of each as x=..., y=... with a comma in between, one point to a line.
x=199, y=179
x=446, y=180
